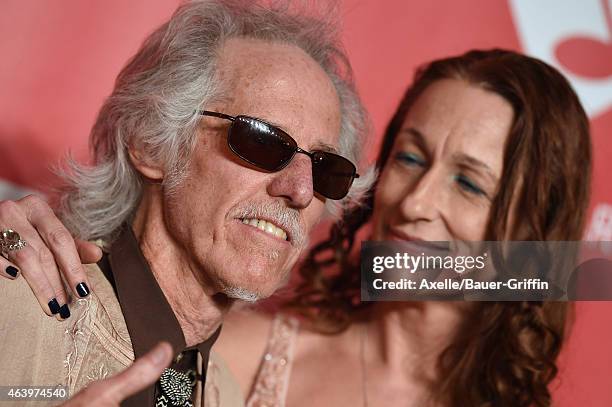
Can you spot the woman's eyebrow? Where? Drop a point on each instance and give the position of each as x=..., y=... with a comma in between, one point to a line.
x=462, y=158
x=468, y=160
x=417, y=136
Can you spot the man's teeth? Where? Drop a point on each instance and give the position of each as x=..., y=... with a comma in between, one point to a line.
x=266, y=227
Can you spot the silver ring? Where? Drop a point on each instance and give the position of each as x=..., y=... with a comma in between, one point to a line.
x=10, y=241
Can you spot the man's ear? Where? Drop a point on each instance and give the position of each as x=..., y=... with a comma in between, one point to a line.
x=148, y=170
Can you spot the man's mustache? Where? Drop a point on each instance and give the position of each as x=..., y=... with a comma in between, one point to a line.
x=288, y=219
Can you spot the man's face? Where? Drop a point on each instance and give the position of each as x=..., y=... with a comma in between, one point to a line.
x=206, y=214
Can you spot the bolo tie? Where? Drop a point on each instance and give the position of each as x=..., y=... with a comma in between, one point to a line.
x=176, y=384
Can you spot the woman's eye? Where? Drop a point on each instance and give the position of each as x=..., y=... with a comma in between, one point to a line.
x=409, y=159
x=468, y=185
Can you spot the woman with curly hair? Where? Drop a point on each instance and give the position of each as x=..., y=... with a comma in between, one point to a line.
x=488, y=145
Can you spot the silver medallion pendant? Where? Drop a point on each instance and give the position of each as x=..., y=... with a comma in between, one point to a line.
x=176, y=389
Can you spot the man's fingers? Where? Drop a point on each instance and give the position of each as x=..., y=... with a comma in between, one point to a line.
x=88, y=252
x=142, y=373
x=112, y=391
x=59, y=242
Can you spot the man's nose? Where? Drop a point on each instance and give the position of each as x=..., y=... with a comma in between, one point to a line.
x=294, y=182
x=421, y=201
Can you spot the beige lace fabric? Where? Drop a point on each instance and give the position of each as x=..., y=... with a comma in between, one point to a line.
x=272, y=381
x=92, y=344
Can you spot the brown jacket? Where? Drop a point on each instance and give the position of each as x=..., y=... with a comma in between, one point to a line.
x=37, y=350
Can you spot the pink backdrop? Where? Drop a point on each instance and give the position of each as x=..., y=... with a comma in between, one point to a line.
x=58, y=61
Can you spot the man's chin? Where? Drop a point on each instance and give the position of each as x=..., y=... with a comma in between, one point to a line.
x=242, y=294
x=254, y=283
x=253, y=292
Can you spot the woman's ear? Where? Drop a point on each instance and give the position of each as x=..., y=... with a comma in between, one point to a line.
x=148, y=170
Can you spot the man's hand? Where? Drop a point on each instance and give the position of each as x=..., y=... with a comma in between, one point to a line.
x=49, y=246
x=112, y=391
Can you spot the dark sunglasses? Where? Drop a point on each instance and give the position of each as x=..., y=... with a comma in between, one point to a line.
x=271, y=149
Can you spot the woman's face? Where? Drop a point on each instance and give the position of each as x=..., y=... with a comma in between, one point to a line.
x=445, y=165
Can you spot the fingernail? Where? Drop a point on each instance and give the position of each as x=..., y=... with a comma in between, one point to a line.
x=54, y=306
x=64, y=311
x=82, y=289
x=12, y=271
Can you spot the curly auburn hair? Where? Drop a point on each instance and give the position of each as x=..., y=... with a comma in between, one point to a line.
x=504, y=353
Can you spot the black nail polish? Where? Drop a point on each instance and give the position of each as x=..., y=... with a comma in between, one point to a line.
x=64, y=311
x=12, y=271
x=54, y=306
x=82, y=289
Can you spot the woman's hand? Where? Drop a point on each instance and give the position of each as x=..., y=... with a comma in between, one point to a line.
x=112, y=391
x=49, y=246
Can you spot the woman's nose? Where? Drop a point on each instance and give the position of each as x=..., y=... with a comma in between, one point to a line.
x=422, y=199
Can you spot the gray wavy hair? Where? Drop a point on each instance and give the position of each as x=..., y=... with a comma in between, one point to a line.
x=157, y=93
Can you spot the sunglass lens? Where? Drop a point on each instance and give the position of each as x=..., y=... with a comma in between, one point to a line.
x=332, y=174
x=261, y=144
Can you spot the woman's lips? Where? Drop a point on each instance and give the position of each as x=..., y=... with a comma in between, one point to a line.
x=396, y=235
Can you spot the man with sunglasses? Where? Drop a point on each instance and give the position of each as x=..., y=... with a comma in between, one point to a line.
x=226, y=137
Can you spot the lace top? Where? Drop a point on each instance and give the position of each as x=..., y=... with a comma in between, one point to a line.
x=272, y=380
